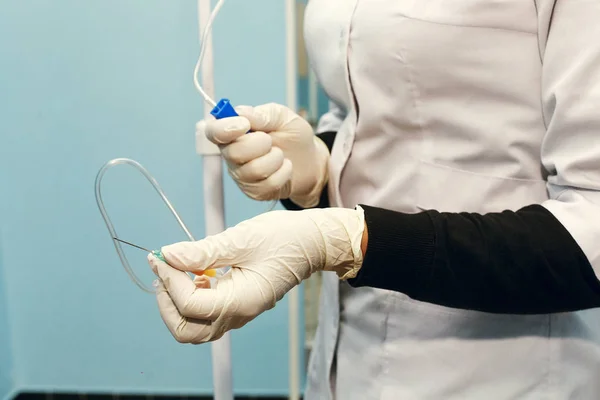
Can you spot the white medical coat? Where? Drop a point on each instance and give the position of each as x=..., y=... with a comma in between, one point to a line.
x=458, y=105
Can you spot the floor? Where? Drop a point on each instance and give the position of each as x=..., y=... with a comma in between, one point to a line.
x=57, y=396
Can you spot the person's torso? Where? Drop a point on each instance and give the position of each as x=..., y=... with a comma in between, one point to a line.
x=443, y=112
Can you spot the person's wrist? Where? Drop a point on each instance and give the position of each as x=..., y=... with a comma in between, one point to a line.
x=341, y=230
x=365, y=241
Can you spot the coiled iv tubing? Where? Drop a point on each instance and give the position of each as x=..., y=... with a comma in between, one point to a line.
x=111, y=229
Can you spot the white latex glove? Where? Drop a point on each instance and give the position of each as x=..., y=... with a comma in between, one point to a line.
x=269, y=255
x=282, y=158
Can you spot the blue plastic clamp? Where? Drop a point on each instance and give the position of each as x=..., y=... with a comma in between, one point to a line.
x=223, y=109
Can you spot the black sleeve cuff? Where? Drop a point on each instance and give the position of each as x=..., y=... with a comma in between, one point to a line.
x=401, y=246
x=328, y=138
x=523, y=262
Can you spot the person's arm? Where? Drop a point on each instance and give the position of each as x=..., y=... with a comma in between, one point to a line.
x=522, y=262
x=540, y=259
x=327, y=129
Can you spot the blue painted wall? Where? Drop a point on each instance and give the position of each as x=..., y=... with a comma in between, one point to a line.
x=6, y=383
x=82, y=82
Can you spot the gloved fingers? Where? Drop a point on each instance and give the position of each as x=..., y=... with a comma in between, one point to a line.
x=247, y=148
x=226, y=130
x=177, y=282
x=202, y=282
x=275, y=187
x=191, y=302
x=260, y=168
x=184, y=330
x=212, y=252
x=267, y=117
x=277, y=183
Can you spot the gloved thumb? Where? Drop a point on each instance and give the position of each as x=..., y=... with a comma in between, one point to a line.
x=212, y=252
x=225, y=131
x=265, y=118
x=177, y=291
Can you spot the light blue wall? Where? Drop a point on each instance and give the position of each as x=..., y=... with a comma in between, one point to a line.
x=82, y=82
x=6, y=383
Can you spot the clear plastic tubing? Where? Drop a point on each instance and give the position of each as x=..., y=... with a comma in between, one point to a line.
x=111, y=228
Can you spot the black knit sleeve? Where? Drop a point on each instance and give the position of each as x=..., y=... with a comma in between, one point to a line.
x=522, y=262
x=328, y=138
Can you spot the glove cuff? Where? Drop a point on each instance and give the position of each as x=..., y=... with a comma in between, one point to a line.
x=312, y=198
x=342, y=230
x=355, y=228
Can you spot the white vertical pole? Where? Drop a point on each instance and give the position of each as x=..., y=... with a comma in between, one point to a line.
x=214, y=209
x=313, y=96
x=294, y=295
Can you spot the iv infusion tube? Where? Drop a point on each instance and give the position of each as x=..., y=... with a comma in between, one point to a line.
x=111, y=229
x=207, y=32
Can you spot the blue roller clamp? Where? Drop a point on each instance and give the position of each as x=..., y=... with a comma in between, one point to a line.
x=223, y=109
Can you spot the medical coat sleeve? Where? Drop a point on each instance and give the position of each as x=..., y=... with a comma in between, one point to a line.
x=571, y=104
x=332, y=119
x=540, y=259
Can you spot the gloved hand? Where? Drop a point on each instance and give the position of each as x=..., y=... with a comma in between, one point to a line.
x=282, y=158
x=269, y=255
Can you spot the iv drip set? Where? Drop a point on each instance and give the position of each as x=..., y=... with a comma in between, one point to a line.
x=113, y=233
x=222, y=109
x=213, y=198
x=213, y=193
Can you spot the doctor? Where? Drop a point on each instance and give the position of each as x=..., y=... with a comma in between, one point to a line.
x=454, y=187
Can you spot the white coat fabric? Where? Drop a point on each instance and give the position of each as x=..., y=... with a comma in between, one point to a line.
x=458, y=105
